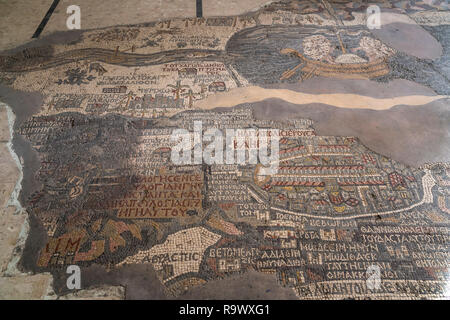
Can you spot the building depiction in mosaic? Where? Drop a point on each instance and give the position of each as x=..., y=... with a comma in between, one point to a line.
x=106, y=192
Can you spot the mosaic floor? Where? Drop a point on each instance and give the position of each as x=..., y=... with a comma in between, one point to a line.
x=363, y=181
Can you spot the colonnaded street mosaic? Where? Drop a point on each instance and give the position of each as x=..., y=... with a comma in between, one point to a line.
x=362, y=118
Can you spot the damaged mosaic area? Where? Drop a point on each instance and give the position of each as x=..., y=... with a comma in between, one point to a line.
x=102, y=189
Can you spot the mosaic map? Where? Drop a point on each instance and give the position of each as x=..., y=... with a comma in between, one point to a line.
x=363, y=178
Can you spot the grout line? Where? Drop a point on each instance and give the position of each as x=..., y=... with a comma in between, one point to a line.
x=44, y=21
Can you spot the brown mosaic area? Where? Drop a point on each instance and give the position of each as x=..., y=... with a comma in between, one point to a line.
x=106, y=192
